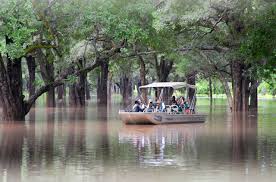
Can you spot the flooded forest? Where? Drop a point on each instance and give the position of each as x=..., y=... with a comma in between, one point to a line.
x=68, y=66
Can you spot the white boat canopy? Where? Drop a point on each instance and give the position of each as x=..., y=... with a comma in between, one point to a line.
x=174, y=85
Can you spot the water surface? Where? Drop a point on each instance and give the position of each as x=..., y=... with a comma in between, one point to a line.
x=71, y=144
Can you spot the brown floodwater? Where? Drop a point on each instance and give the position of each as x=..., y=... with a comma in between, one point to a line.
x=71, y=144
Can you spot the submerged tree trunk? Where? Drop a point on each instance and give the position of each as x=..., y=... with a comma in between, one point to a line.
x=109, y=88
x=102, y=83
x=240, y=87
x=11, y=94
x=61, y=92
x=73, y=95
x=77, y=90
x=237, y=86
x=87, y=89
x=210, y=90
x=81, y=86
x=76, y=96
x=50, y=99
x=254, y=95
x=245, y=94
x=227, y=90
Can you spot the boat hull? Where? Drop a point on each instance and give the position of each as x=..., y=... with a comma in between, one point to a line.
x=160, y=118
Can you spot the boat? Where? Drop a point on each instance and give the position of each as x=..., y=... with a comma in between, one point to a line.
x=160, y=118
x=168, y=117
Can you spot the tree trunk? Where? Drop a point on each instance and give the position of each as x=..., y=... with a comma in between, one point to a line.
x=76, y=95
x=254, y=95
x=61, y=92
x=50, y=99
x=31, y=69
x=77, y=90
x=245, y=93
x=73, y=95
x=87, y=89
x=102, y=84
x=143, y=79
x=11, y=94
x=163, y=69
x=210, y=91
x=126, y=90
x=191, y=79
x=240, y=87
x=237, y=85
x=47, y=73
x=227, y=90
x=109, y=88
x=81, y=86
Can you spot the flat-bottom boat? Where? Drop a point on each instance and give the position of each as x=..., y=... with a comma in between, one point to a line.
x=170, y=115
x=160, y=118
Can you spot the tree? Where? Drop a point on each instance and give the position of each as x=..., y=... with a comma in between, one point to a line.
x=220, y=32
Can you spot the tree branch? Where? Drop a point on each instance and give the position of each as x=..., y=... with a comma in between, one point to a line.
x=204, y=48
x=59, y=81
x=39, y=46
x=213, y=64
x=61, y=78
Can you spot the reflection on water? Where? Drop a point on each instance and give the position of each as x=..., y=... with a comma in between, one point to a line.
x=161, y=145
x=74, y=144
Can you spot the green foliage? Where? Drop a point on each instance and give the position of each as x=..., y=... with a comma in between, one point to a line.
x=71, y=79
x=267, y=88
x=17, y=25
x=259, y=46
x=203, y=87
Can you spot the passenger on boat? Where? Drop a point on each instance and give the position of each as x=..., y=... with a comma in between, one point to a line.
x=186, y=107
x=181, y=102
x=150, y=107
x=137, y=107
x=160, y=106
x=173, y=102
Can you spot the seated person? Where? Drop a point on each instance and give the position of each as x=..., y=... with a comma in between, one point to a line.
x=150, y=107
x=187, y=107
x=137, y=107
x=173, y=102
x=181, y=102
x=160, y=107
